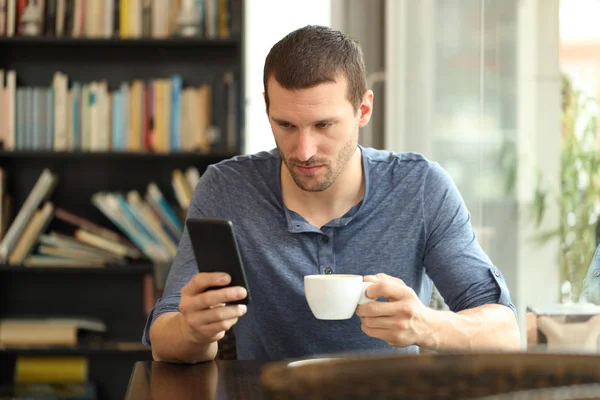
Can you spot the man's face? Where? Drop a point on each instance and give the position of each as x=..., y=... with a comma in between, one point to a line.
x=316, y=130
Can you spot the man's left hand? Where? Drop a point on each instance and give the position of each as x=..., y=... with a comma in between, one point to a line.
x=402, y=320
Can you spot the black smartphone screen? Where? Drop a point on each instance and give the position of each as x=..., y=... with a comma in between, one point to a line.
x=216, y=250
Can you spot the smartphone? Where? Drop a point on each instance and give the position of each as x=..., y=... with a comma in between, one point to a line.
x=216, y=250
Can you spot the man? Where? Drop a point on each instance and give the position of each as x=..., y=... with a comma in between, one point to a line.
x=320, y=203
x=591, y=284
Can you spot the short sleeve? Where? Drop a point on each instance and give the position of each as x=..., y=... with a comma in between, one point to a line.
x=184, y=266
x=453, y=259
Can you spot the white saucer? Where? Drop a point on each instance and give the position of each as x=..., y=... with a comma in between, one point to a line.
x=309, y=361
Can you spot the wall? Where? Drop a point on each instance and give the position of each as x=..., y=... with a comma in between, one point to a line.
x=364, y=21
x=539, y=106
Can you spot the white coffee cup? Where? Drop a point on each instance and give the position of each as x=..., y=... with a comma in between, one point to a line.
x=335, y=296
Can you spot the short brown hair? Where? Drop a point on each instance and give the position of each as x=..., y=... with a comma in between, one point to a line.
x=313, y=55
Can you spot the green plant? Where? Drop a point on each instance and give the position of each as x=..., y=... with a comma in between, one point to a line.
x=578, y=194
x=507, y=162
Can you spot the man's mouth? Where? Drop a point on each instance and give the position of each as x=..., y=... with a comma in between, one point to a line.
x=308, y=170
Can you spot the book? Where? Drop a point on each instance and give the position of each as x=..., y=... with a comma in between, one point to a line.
x=46, y=331
x=158, y=114
x=58, y=369
x=41, y=190
x=130, y=19
x=37, y=224
x=85, y=224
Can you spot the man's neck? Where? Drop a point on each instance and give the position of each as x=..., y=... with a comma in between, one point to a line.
x=318, y=208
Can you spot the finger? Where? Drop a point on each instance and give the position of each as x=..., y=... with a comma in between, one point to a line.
x=214, y=297
x=205, y=280
x=378, y=309
x=218, y=314
x=378, y=333
x=217, y=328
x=389, y=289
x=211, y=299
x=389, y=323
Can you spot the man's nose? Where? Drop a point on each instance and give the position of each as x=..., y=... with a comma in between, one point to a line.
x=306, y=147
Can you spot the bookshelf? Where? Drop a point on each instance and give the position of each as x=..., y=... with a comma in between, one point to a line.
x=105, y=349
x=120, y=295
x=131, y=269
x=17, y=43
x=115, y=62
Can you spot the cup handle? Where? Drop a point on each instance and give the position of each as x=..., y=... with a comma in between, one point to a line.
x=363, y=294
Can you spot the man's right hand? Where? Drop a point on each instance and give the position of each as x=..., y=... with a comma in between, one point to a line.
x=205, y=314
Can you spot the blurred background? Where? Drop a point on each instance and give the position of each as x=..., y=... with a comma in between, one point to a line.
x=113, y=109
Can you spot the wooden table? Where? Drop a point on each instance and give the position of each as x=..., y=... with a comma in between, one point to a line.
x=215, y=380
x=427, y=376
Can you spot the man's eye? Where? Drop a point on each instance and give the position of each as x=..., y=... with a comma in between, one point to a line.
x=285, y=125
x=323, y=125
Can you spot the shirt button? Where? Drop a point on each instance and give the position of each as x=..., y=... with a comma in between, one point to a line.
x=597, y=273
x=325, y=239
x=496, y=272
x=328, y=271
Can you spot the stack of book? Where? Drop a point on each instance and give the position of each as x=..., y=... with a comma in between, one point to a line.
x=123, y=19
x=160, y=115
x=31, y=332
x=147, y=226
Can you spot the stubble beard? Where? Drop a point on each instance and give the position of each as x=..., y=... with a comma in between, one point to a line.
x=332, y=170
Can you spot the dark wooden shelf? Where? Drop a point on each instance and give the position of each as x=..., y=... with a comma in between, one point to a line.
x=198, y=61
x=184, y=42
x=95, y=155
x=111, y=348
x=134, y=268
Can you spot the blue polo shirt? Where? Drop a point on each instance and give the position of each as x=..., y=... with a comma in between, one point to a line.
x=412, y=224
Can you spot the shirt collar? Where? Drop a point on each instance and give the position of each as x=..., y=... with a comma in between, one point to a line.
x=297, y=224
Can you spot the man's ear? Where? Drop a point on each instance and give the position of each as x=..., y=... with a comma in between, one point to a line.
x=266, y=106
x=366, y=109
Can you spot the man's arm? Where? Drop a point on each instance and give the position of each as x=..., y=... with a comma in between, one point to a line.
x=404, y=320
x=191, y=335
x=472, y=286
x=172, y=341
x=189, y=319
x=487, y=327
x=481, y=313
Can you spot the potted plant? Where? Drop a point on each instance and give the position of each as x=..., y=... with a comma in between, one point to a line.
x=578, y=195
